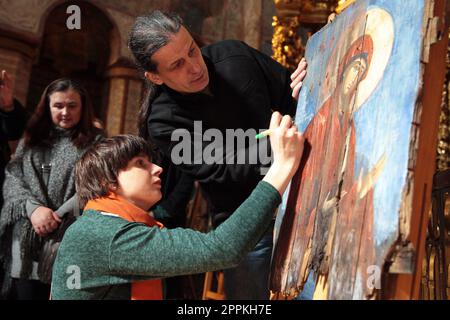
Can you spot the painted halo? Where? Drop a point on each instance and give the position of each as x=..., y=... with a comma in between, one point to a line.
x=379, y=25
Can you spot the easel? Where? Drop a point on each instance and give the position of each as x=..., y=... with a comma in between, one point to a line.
x=213, y=280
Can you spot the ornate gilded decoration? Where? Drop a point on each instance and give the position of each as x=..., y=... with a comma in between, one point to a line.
x=287, y=45
x=342, y=4
x=443, y=152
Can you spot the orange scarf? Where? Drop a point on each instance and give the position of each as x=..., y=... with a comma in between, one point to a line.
x=115, y=204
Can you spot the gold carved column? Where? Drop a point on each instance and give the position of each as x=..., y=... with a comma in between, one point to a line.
x=443, y=152
x=287, y=46
x=342, y=4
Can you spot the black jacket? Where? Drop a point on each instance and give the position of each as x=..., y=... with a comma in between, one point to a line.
x=246, y=87
x=12, y=125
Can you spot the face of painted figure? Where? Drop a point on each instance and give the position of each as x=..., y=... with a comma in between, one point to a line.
x=353, y=74
x=180, y=65
x=65, y=108
x=139, y=182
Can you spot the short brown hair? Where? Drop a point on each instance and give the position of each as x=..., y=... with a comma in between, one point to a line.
x=96, y=171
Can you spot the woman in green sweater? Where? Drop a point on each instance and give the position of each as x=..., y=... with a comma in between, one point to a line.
x=116, y=250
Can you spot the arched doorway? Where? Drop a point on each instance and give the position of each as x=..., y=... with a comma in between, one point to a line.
x=79, y=54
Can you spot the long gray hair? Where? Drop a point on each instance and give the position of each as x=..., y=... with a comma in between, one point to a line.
x=149, y=34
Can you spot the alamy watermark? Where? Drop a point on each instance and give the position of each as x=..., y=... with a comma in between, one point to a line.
x=73, y=281
x=213, y=146
x=374, y=277
x=73, y=22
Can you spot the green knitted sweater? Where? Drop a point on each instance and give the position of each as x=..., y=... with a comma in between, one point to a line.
x=101, y=255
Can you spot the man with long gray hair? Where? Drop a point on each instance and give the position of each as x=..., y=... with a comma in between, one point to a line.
x=226, y=85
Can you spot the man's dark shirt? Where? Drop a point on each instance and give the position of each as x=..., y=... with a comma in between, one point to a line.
x=245, y=87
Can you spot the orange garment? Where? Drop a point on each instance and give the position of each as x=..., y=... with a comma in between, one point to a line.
x=115, y=204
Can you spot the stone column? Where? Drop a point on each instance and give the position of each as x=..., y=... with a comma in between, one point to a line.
x=125, y=89
x=252, y=22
